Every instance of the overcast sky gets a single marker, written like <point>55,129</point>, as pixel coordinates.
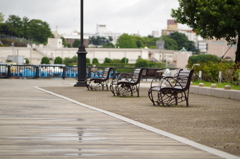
<point>123,16</point>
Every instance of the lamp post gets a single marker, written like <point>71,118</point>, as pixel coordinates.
<point>81,56</point>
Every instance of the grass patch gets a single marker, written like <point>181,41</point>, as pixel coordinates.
<point>219,85</point>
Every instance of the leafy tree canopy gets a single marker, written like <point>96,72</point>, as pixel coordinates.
<point>34,29</point>
<point>39,31</point>
<point>182,41</point>
<point>126,41</point>
<point>1,17</point>
<point>65,44</point>
<point>105,42</point>
<point>149,42</point>
<point>7,30</point>
<point>135,41</point>
<point>170,44</point>
<point>76,43</point>
<point>16,23</point>
<point>211,19</point>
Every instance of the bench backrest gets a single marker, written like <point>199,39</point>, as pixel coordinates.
<point>184,79</point>
<point>106,72</point>
<point>137,74</point>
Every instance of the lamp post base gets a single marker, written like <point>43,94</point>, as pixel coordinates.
<point>80,84</point>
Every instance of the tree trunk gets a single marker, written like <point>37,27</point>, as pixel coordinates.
<point>237,57</point>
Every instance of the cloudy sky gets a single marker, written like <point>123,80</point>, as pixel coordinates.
<point>123,16</point>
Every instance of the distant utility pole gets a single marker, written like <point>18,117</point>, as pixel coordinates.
<point>12,44</point>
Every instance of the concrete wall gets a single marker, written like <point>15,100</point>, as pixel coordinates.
<point>37,53</point>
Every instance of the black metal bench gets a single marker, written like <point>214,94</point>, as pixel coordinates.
<point>172,89</point>
<point>152,73</point>
<point>101,82</point>
<point>126,84</point>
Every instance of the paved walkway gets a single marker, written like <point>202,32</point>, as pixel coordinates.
<point>36,123</point>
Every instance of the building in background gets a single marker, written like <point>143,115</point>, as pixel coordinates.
<point>55,42</point>
<point>155,34</point>
<point>202,46</point>
<point>221,48</point>
<point>101,30</point>
<point>172,26</point>
<point>76,36</point>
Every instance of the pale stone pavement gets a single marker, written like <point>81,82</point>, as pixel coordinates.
<point>37,124</point>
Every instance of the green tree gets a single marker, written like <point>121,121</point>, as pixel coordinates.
<point>39,31</point>
<point>149,42</point>
<point>65,44</point>
<point>7,29</point>
<point>139,41</point>
<point>95,61</point>
<point>211,19</point>
<point>126,41</point>
<point>76,43</point>
<point>16,24</point>
<point>182,41</point>
<point>45,60</point>
<point>25,28</point>
<point>110,38</point>
<point>169,43</point>
<point>58,60</point>
<point>1,17</point>
<point>108,45</point>
<point>105,42</point>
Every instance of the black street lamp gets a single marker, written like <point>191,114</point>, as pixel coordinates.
<point>81,56</point>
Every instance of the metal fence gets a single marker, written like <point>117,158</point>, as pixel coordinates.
<point>17,39</point>
<point>52,71</point>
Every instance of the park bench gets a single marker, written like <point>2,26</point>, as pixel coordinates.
<point>100,80</point>
<point>126,84</point>
<point>172,89</point>
<point>151,73</point>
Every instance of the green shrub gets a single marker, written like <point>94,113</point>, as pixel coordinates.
<point>58,60</point>
<point>124,60</point>
<point>95,61</point>
<point>45,60</point>
<point>210,71</point>
<point>141,63</point>
<point>201,59</point>
<point>87,60</point>
<point>67,61</point>
<point>26,60</point>
<point>107,60</point>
